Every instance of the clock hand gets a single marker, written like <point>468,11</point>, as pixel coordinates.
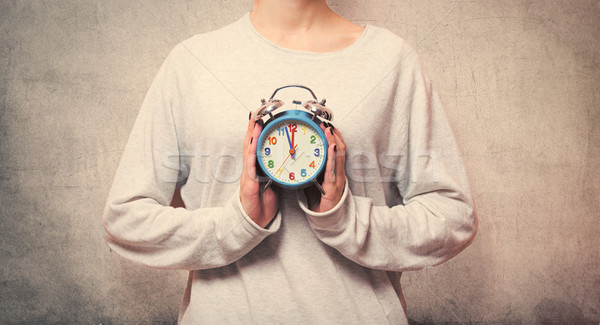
<point>293,146</point>
<point>286,158</point>
<point>290,142</point>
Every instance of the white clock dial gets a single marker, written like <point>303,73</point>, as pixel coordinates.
<point>292,152</point>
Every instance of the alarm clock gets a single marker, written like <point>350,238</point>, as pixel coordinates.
<point>292,149</point>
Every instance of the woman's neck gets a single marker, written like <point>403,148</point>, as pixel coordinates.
<point>291,16</point>
<point>307,25</point>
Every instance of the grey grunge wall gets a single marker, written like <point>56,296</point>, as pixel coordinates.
<point>520,80</point>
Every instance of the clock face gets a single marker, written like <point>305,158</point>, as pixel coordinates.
<point>292,151</point>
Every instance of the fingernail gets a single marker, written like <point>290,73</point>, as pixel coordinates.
<point>335,148</point>
<point>249,115</point>
<point>331,130</point>
<point>332,127</point>
<point>251,140</point>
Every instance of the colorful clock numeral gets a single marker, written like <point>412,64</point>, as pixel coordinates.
<point>272,140</point>
<point>313,138</point>
<point>317,152</point>
<point>270,164</point>
<point>293,127</point>
<point>312,164</point>
<point>292,176</point>
<point>267,151</point>
<point>303,172</point>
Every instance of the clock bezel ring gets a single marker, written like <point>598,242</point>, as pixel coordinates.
<point>303,117</point>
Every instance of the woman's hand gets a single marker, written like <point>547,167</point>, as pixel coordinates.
<point>261,208</point>
<point>334,179</point>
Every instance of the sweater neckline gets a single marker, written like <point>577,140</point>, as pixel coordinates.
<point>283,50</point>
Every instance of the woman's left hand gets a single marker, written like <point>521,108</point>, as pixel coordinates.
<point>335,173</point>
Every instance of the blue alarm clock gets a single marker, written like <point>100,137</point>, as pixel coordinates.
<point>292,149</point>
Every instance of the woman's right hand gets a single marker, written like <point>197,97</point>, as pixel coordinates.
<point>261,208</point>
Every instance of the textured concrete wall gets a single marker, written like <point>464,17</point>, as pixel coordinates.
<point>521,84</point>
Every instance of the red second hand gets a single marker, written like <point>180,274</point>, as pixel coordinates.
<point>293,150</point>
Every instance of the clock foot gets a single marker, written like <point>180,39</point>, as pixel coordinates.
<point>266,186</point>
<point>319,187</point>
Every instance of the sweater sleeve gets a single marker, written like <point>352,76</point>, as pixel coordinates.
<point>138,221</point>
<point>436,219</point>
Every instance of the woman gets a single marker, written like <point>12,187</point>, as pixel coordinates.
<point>396,195</point>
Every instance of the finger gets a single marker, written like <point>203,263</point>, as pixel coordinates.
<point>269,202</point>
<point>329,133</point>
<point>340,161</point>
<point>250,161</point>
<point>258,126</point>
<point>339,138</point>
<point>247,137</point>
<point>330,167</point>
<point>252,149</point>
<point>249,130</point>
<point>340,155</point>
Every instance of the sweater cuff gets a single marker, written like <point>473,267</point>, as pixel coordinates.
<point>251,226</point>
<point>328,218</point>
